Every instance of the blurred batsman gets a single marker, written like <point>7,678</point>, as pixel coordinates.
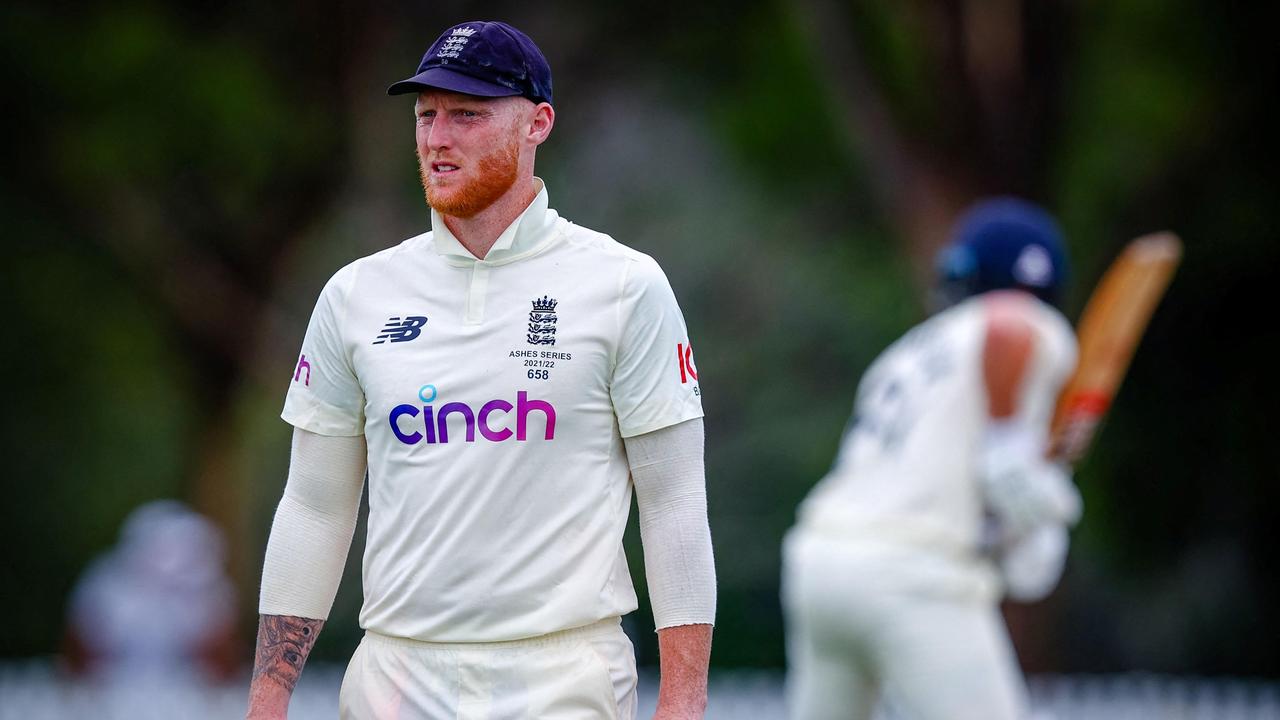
<point>941,499</point>
<point>507,379</point>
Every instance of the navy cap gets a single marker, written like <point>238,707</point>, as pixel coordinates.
<point>1001,243</point>
<point>484,58</point>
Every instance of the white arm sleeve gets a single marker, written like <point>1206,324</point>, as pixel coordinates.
<point>312,531</point>
<point>671,493</point>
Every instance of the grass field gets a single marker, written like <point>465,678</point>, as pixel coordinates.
<point>33,690</point>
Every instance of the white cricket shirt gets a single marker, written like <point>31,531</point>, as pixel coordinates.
<point>494,395</point>
<point>906,473</point>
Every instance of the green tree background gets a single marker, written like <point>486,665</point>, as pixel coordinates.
<point>181,179</point>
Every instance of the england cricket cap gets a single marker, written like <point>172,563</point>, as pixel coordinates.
<point>484,58</point>
<point>1004,242</point>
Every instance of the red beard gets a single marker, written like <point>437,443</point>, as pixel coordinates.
<point>497,174</point>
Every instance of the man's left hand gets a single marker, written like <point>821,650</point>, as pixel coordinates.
<point>684,652</point>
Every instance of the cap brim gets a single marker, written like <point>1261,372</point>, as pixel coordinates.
<point>444,79</point>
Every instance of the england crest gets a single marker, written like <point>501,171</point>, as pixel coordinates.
<point>542,321</point>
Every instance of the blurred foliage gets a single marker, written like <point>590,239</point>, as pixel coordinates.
<point>181,180</point>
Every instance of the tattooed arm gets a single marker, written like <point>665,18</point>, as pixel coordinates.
<point>284,642</point>
<point>305,556</point>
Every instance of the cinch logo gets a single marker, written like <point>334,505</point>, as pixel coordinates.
<point>432,425</point>
<point>684,356</point>
<point>398,330</point>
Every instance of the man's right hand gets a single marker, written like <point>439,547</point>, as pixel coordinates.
<point>1032,564</point>
<point>267,702</point>
<point>1026,491</point>
<point>284,642</point>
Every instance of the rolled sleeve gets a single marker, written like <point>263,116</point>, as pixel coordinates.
<point>655,380</point>
<point>325,397</point>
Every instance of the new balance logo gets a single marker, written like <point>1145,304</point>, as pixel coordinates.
<point>398,330</point>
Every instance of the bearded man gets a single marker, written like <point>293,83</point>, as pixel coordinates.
<point>507,379</point>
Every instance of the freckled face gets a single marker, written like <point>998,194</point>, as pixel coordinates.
<point>468,150</point>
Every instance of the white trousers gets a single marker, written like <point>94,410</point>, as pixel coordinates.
<point>918,628</point>
<point>586,673</point>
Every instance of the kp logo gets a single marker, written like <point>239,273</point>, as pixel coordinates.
<point>684,356</point>
<point>398,330</point>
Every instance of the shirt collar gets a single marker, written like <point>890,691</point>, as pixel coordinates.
<point>525,234</point>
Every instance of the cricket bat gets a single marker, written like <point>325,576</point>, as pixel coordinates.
<point>1109,330</point>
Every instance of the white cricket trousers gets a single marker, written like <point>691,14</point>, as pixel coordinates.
<point>586,673</point>
<point>920,628</point>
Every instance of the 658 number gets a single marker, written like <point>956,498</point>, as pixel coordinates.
<point>539,374</point>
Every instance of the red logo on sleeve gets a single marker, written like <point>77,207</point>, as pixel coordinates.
<point>684,356</point>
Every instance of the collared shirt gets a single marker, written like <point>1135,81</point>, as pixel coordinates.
<point>494,394</point>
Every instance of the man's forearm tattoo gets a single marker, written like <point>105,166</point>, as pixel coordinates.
<point>284,642</point>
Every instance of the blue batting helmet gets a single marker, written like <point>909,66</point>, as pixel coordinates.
<point>1003,243</point>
